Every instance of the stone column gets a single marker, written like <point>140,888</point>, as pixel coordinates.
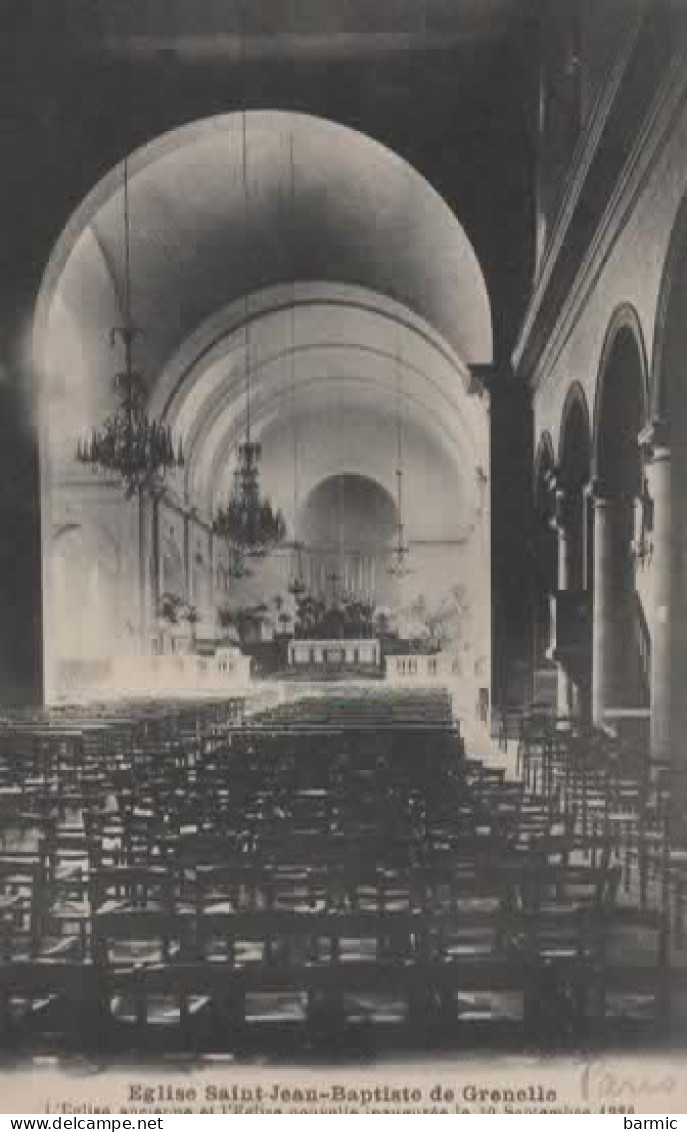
<point>565,572</point>
<point>188,581</point>
<point>613,591</point>
<point>156,555</point>
<point>664,565</point>
<point>141,581</point>
<point>212,568</point>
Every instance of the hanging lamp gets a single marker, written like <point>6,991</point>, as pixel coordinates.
<point>249,522</point>
<point>399,566</point>
<point>129,443</point>
<point>297,587</point>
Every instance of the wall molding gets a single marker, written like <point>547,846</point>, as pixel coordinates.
<point>583,156</point>
<point>652,138</point>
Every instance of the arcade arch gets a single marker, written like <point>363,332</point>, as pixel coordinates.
<point>665,452</point>
<point>620,644</point>
<point>207,265</point>
<point>575,555</point>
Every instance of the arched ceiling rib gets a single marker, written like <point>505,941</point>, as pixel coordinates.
<point>356,435</point>
<point>328,389</point>
<point>322,311</point>
<point>360,215</point>
<point>353,350</point>
<point>361,277</point>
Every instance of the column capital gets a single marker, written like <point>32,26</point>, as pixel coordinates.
<point>552,479</point>
<point>598,493</point>
<point>563,515</point>
<point>601,495</point>
<point>654,439</point>
<point>481,380</point>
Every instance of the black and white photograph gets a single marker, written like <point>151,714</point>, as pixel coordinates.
<point>343,569</point>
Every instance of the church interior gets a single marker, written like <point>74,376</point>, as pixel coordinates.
<point>344,589</point>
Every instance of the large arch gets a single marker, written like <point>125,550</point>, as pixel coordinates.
<point>543,552</point>
<point>668,331</point>
<point>666,453</point>
<point>348,345</point>
<point>423,298</point>
<point>574,533</point>
<point>86,620</point>
<point>309,290</point>
<point>576,427</point>
<point>348,521</point>
<point>620,647</point>
<point>574,478</point>
<point>544,465</point>
<point>353,199</point>
<point>622,401</point>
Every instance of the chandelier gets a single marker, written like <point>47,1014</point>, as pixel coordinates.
<point>399,566</point>
<point>129,443</point>
<point>296,587</point>
<point>249,523</point>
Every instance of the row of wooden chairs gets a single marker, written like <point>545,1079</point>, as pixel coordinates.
<point>487,928</point>
<point>313,855</point>
<point>616,793</point>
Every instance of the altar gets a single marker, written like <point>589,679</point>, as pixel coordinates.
<point>334,654</point>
